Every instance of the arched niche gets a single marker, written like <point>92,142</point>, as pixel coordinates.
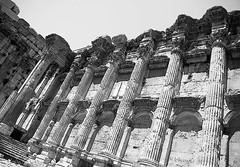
<point>105,120</point>
<point>185,139</point>
<point>141,122</point>
<point>232,126</point>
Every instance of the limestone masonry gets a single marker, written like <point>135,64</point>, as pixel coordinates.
<point>164,99</point>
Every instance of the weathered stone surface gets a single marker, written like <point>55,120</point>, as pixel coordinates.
<point>110,120</point>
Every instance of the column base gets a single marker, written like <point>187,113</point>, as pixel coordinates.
<point>145,162</point>
<point>66,161</point>
<point>34,146</point>
<point>6,129</point>
<point>48,154</point>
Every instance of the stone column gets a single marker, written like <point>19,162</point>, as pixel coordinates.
<point>213,112</point>
<point>24,115</point>
<point>101,48</point>
<point>224,151</point>
<point>145,52</point>
<point>106,85</point>
<point>72,107</point>
<point>53,106</point>
<point>152,147</point>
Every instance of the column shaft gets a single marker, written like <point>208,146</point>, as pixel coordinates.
<point>72,107</point>
<point>125,106</point>
<point>213,112</point>
<point>152,147</point>
<point>89,121</point>
<point>53,106</point>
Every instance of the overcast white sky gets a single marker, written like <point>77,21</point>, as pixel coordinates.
<point>81,21</point>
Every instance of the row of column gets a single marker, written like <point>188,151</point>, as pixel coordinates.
<point>152,147</point>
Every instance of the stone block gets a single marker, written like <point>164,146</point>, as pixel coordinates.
<point>15,9</point>
<point>7,3</point>
<point>10,13</point>
<point>23,31</point>
<point>23,22</point>
<point>31,38</point>
<point>33,32</point>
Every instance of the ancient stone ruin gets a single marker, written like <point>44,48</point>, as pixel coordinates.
<point>166,98</point>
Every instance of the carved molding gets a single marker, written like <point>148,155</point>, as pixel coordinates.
<point>187,102</point>
<point>232,99</point>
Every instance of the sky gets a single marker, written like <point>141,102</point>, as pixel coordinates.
<point>81,21</point>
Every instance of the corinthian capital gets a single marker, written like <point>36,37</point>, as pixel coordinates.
<point>120,47</point>
<point>219,38</point>
<point>146,47</point>
<point>101,47</point>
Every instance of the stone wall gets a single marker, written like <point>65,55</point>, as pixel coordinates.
<point>21,48</point>
<point>161,98</point>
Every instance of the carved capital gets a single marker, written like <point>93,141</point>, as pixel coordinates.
<point>145,49</point>
<point>101,47</point>
<point>120,48</point>
<point>178,43</point>
<point>219,38</point>
<point>76,63</point>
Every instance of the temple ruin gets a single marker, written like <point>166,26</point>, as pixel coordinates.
<point>164,99</point>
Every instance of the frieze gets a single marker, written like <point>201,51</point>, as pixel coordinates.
<point>158,62</point>
<point>100,71</point>
<point>126,67</point>
<point>197,55</point>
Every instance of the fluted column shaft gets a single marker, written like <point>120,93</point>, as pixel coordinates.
<point>153,143</point>
<point>125,106</point>
<point>71,109</point>
<point>53,106</point>
<point>106,85</point>
<point>213,113</point>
